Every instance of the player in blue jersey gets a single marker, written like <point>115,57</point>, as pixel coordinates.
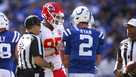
<point>8,42</point>
<point>82,45</point>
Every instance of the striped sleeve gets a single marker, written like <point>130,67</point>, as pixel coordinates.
<point>101,43</point>
<point>66,39</point>
<point>67,32</point>
<point>101,36</point>
<point>36,47</point>
<point>16,37</point>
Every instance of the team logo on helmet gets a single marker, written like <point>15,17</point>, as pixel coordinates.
<point>53,13</point>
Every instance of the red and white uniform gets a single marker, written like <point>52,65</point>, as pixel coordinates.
<point>51,39</point>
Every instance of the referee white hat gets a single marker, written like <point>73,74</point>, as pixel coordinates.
<point>132,22</point>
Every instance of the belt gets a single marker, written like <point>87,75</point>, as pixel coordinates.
<point>30,70</point>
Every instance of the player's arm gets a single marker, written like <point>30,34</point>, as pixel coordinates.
<point>118,65</point>
<point>18,36</point>
<point>98,55</point>
<point>99,48</point>
<point>131,68</point>
<point>42,63</point>
<point>65,54</point>
<point>16,53</point>
<point>64,57</point>
<point>98,59</point>
<point>37,52</point>
<point>66,60</point>
<point>67,46</point>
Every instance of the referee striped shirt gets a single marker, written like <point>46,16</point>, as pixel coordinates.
<point>28,47</point>
<point>127,53</point>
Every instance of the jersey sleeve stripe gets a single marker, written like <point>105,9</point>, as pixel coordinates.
<point>14,36</point>
<point>68,31</point>
<point>18,37</point>
<point>65,33</point>
<point>101,35</point>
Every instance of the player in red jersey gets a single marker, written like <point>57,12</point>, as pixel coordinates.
<point>51,35</point>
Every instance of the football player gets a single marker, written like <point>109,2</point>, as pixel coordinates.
<point>51,35</point>
<point>8,41</point>
<point>82,45</point>
<point>126,58</point>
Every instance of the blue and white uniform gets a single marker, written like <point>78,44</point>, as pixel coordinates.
<point>8,41</point>
<point>82,45</point>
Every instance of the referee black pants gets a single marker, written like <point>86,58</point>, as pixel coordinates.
<point>127,75</point>
<point>29,73</point>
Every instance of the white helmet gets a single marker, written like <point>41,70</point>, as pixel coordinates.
<point>4,22</point>
<point>81,14</point>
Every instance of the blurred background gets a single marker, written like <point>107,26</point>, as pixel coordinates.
<point>110,18</point>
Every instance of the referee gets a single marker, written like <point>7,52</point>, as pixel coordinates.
<point>126,58</point>
<point>30,51</point>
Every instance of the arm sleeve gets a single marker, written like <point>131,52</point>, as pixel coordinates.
<point>16,36</point>
<point>67,43</point>
<point>100,43</point>
<point>36,47</point>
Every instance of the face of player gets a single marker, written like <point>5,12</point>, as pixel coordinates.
<point>36,29</point>
<point>57,21</point>
<point>131,30</point>
<point>83,25</point>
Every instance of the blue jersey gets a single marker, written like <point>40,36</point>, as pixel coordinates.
<point>8,41</point>
<point>82,45</point>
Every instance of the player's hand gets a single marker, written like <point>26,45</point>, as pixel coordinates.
<point>131,71</point>
<point>118,73</point>
<point>60,46</point>
<point>131,68</point>
<point>51,66</point>
<point>49,51</point>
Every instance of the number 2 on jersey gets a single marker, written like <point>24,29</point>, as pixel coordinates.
<point>83,45</point>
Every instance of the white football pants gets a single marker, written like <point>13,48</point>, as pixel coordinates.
<point>6,73</point>
<point>81,75</point>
